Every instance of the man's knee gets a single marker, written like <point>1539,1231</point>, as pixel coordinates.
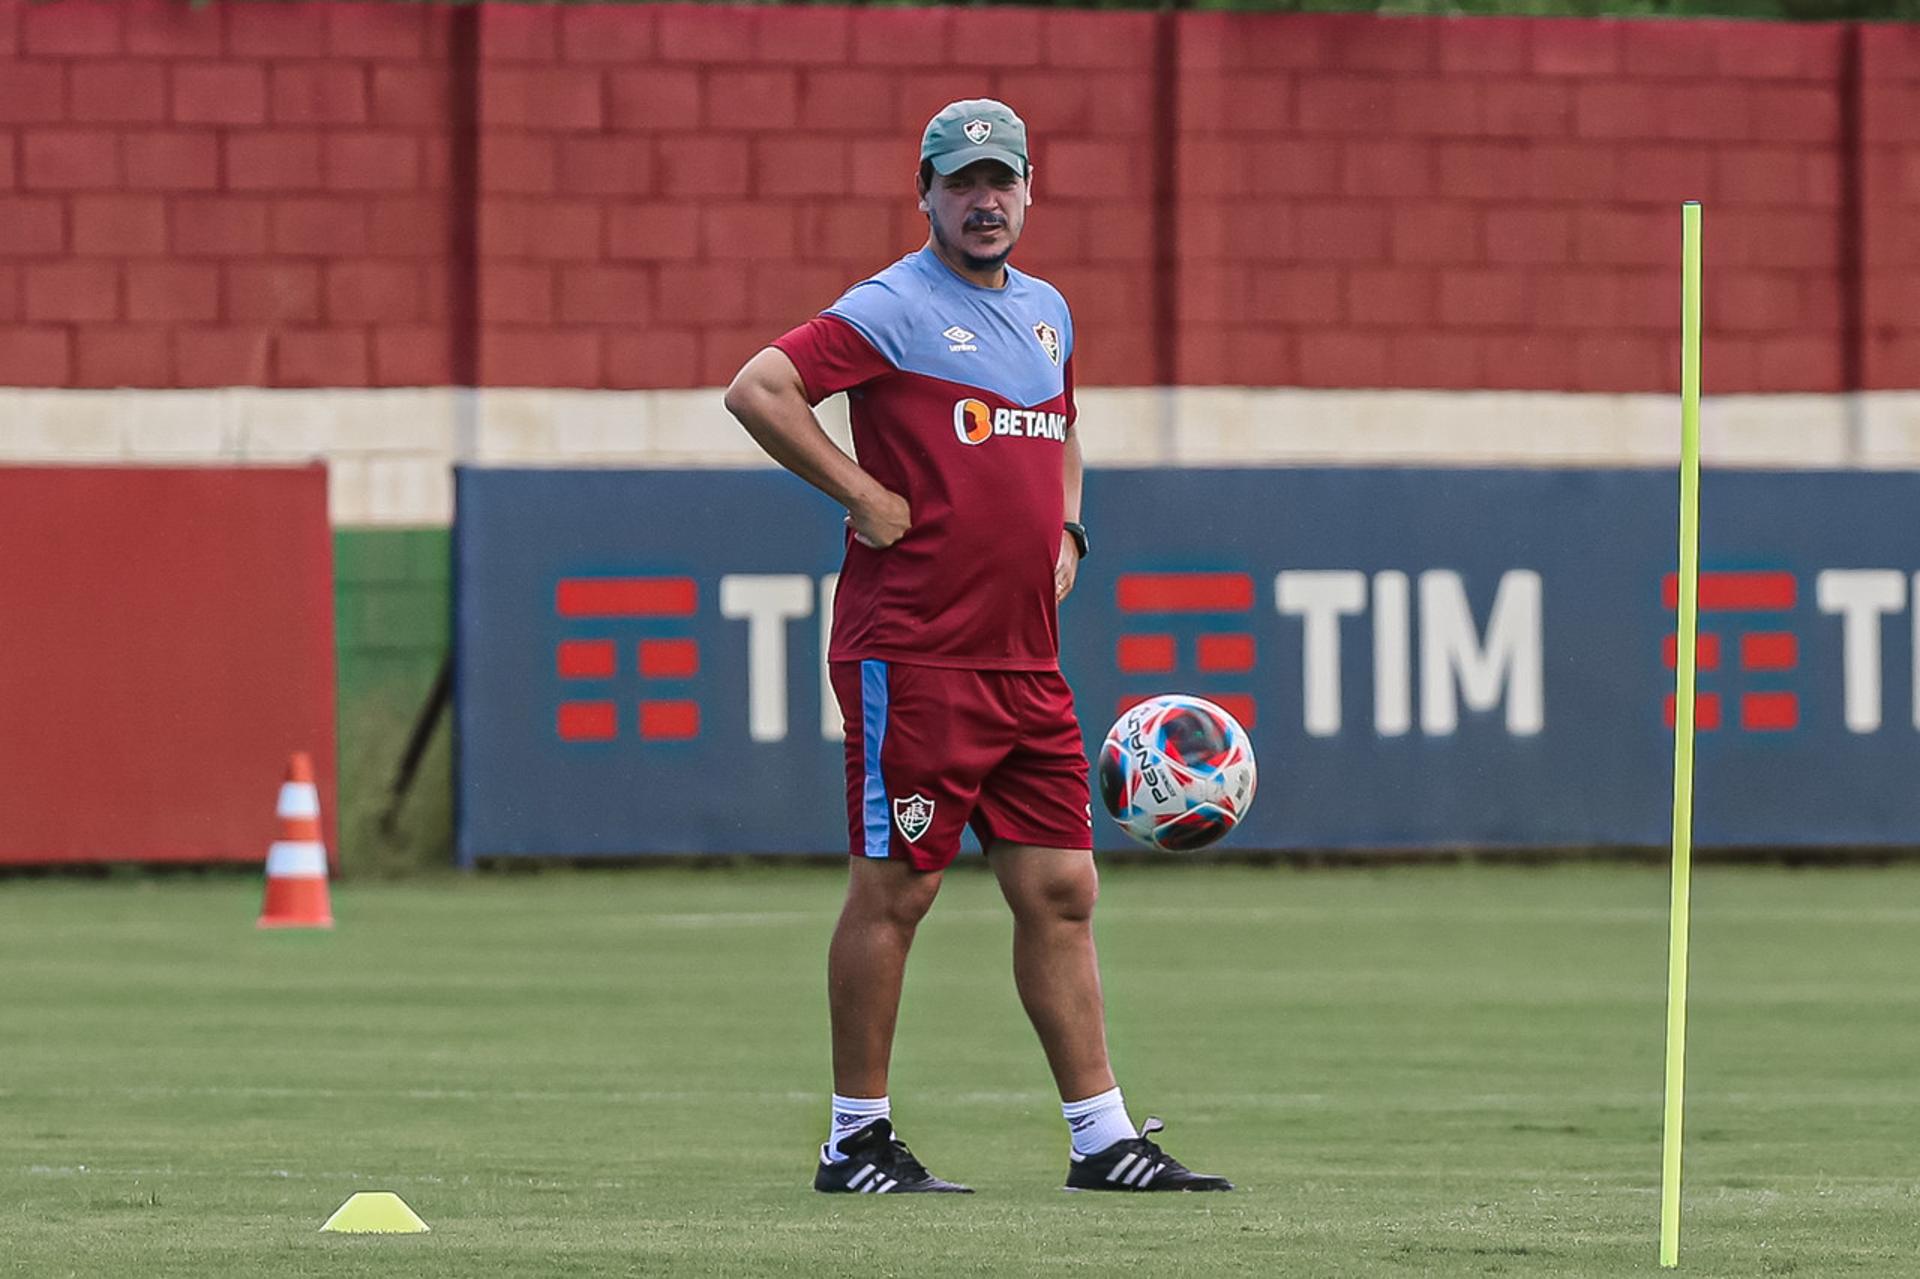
<point>1064,893</point>
<point>891,892</point>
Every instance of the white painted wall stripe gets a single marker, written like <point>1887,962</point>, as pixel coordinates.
<point>390,452</point>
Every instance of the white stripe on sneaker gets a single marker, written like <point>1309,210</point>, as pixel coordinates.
<point>1121,1167</point>
<point>1151,1174</point>
<point>1138,1175</point>
<point>853,1182</point>
<point>891,1183</point>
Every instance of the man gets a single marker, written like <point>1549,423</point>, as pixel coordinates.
<point>963,538</point>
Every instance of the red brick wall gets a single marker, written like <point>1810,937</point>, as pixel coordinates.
<point>1890,165</point>
<point>1494,203</point>
<point>665,188</point>
<point>242,194</point>
<point>638,196</point>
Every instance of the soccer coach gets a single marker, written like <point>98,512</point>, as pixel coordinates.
<point>963,537</point>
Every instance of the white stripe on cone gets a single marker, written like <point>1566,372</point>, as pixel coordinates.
<point>299,799</point>
<point>297,857</point>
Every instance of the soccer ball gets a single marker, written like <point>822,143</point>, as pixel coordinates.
<point>1177,772</point>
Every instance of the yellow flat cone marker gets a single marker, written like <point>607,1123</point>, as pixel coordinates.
<point>376,1212</point>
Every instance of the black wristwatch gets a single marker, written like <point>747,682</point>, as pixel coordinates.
<point>1078,532</point>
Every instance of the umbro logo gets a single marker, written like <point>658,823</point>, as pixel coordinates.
<point>961,339</point>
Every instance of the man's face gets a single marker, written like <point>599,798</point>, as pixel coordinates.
<point>977,213</point>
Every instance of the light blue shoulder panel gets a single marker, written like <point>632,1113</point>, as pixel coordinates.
<point>1012,342</point>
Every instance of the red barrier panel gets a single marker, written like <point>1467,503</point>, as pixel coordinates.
<point>166,641</point>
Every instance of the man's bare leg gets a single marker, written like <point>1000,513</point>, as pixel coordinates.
<point>886,900</point>
<point>866,963</point>
<point>1052,892</point>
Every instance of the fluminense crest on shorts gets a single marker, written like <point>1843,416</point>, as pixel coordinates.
<point>1049,340</point>
<point>913,815</point>
<point>977,131</point>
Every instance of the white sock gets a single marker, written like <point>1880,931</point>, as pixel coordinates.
<point>1098,1122</point>
<point>850,1115</point>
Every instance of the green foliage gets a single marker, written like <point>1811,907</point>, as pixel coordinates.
<point>392,623</point>
<point>1418,1072</point>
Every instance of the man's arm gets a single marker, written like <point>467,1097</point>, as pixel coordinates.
<point>1066,565</point>
<point>770,400</point>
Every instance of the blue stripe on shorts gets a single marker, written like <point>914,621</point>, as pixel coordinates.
<point>873,733</point>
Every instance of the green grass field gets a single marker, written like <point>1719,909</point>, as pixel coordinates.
<point>1413,1071</point>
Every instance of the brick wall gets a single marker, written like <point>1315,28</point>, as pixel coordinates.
<point>665,188</point>
<point>638,196</point>
<point>252,194</point>
<point>1889,294</point>
<point>1493,203</point>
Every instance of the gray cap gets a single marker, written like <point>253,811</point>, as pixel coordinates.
<point>975,129</point>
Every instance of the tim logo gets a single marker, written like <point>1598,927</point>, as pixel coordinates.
<point>1747,622</point>
<point>1220,604</point>
<point>1209,623</point>
<point>633,606</point>
<point>1740,614</point>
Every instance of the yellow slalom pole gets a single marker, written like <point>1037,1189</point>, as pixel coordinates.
<point>1683,730</point>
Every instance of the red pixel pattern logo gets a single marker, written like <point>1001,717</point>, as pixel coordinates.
<point>1762,650</point>
<point>1223,600</point>
<point>666,660</point>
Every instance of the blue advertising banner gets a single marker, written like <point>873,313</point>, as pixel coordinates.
<point>1424,658</point>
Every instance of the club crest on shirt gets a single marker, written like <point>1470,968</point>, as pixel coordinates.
<point>977,131</point>
<point>1049,338</point>
<point>913,815</point>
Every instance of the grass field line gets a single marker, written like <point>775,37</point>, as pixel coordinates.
<point>1461,1103</point>
<point>1635,1182</point>
<point>1437,914</point>
<point>278,1174</point>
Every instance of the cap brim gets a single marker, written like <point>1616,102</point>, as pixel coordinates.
<point>954,161</point>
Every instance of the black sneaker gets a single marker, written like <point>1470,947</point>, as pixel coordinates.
<point>879,1163</point>
<point>1137,1164</point>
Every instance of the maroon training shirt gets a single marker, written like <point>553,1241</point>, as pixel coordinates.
<point>960,399</point>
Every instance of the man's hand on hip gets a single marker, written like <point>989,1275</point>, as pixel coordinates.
<point>881,522</point>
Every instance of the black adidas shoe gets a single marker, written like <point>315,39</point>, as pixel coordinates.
<point>879,1163</point>
<point>1135,1163</point>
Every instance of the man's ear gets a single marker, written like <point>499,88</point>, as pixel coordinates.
<point>921,187</point>
<point>1029,186</point>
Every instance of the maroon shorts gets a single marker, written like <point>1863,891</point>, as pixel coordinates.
<point>931,751</point>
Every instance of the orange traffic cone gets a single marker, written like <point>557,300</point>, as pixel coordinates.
<point>297,862</point>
